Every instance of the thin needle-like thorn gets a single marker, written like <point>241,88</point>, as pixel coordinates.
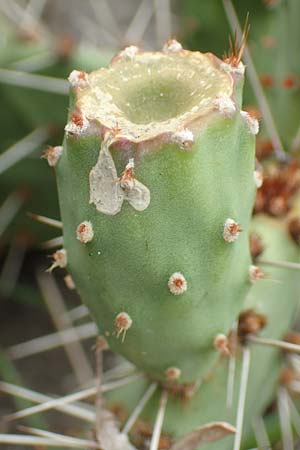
<point>139,408</point>
<point>296,316</point>
<point>46,220</point>
<point>23,147</point>
<point>139,23</point>
<point>34,81</point>
<point>159,421</point>
<point>80,412</point>
<point>58,313</point>
<point>236,50</point>
<point>123,369</point>
<point>34,63</point>
<point>89,392</point>
<point>285,420</point>
<point>275,343</point>
<point>256,85</point>
<point>12,266</point>
<point>241,48</point>
<point>79,312</point>
<point>33,11</point>
<point>92,32</point>
<point>19,439</point>
<point>294,360</point>
<point>9,208</point>
<point>52,243</point>
<point>102,12</point>
<point>15,13</point>
<point>295,416</point>
<point>99,396</point>
<point>281,264</point>
<point>33,17</point>
<point>230,381</point>
<point>261,434</point>
<point>242,398</point>
<point>6,9</point>
<point>163,20</point>
<point>50,341</point>
<point>63,439</point>
<point>231,371</point>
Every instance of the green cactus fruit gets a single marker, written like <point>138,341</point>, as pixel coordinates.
<point>156,188</point>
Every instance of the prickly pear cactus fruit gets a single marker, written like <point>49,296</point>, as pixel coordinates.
<point>156,187</point>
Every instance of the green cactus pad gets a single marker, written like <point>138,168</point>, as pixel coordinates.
<point>161,166</point>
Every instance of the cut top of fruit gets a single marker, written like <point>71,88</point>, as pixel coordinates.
<point>150,93</point>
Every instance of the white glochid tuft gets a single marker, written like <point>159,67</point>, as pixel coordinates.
<point>255,274</point>
<point>234,70</point>
<point>53,154</point>
<point>184,138</point>
<point>78,125</point>
<point>258,178</point>
<point>231,230</point>
<point>172,373</point>
<point>84,232</point>
<point>252,123</point>
<point>122,323</point>
<point>225,105</point>
<point>129,52</point>
<point>172,46</point>
<point>59,260</point>
<point>221,343</point>
<point>78,78</point>
<point>177,283</point>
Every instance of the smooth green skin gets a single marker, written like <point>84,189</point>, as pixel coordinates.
<point>277,298</point>
<point>127,265</point>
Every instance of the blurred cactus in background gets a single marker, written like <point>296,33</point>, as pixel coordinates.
<point>274,45</point>
<point>180,229</point>
<point>28,56</point>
